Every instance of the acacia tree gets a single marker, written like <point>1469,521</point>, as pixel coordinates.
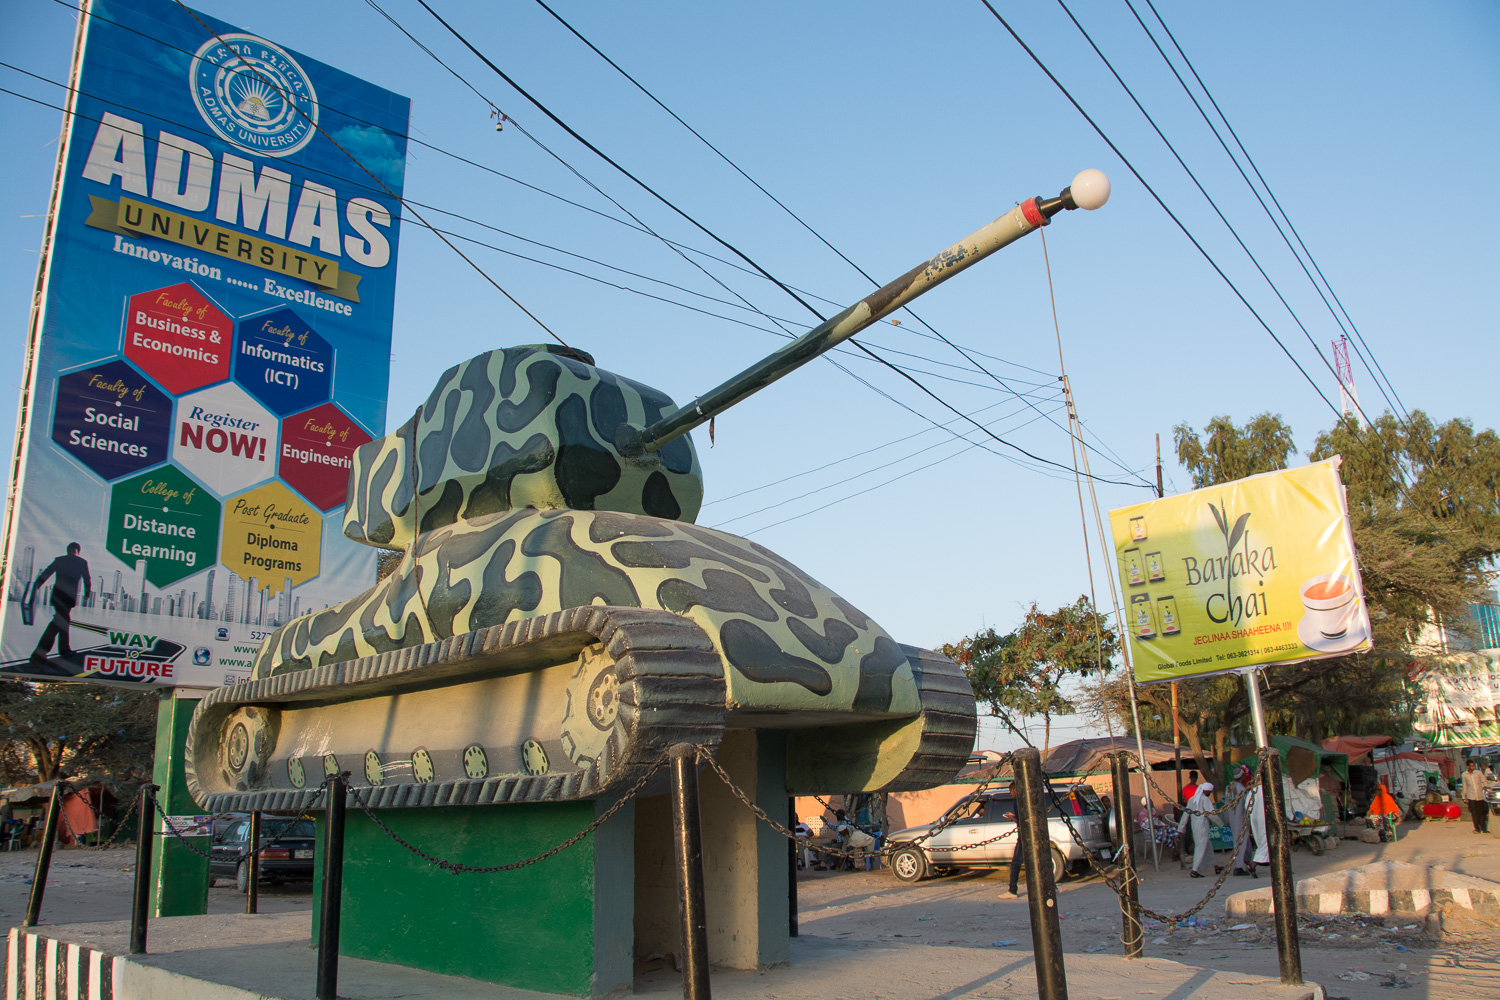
<point>49,729</point>
<point>1023,671</point>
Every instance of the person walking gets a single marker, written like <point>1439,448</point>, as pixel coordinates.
<point>1017,859</point>
<point>1200,813</point>
<point>1479,810</point>
<point>1239,817</point>
<point>70,570</point>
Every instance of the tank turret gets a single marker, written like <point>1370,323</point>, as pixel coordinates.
<point>529,426</point>
<point>556,620</point>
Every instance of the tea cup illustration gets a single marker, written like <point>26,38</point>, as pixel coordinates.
<point>1331,604</point>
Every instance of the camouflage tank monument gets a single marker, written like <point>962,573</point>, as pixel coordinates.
<point>556,622</point>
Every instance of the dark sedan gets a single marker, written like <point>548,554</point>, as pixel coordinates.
<point>288,858</point>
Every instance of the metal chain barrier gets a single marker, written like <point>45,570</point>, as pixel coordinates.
<point>1146,772</point>
<point>186,840</point>
<point>119,825</point>
<point>1111,875</point>
<point>458,868</point>
<point>706,755</point>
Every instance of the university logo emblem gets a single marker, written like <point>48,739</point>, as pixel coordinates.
<point>253,94</point>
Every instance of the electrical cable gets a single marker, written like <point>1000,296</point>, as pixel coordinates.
<point>869,471</point>
<point>1170,214</point>
<point>565,164</point>
<point>841,367</point>
<point>736,167</point>
<point>1209,198</point>
<point>1248,159</point>
<point>1246,177</point>
<point>408,137</point>
<point>648,189</point>
<point>846,458</point>
<point>905,374</point>
<point>322,131</point>
<point>355,160</point>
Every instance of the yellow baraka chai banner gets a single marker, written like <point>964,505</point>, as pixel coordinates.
<point>1253,572</point>
<point>137,218</point>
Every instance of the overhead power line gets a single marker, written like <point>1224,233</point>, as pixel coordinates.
<point>1160,202</point>
<point>722,242</point>
<point>1207,197</point>
<point>966,355</point>
<point>1254,191</point>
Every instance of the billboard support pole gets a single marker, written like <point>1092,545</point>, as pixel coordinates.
<point>1283,890</point>
<point>38,296</point>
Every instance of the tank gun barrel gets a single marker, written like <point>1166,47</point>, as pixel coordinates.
<point>1089,190</point>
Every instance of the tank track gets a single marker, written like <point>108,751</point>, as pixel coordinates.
<point>949,722</point>
<point>633,683</point>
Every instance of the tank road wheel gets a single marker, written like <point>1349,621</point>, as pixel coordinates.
<point>909,864</point>
<point>245,745</point>
<point>592,710</point>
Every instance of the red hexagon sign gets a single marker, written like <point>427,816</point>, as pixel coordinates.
<point>178,337</point>
<point>316,446</point>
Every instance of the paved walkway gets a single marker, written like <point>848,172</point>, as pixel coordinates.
<point>269,958</point>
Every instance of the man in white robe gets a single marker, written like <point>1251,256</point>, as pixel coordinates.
<point>1199,812</point>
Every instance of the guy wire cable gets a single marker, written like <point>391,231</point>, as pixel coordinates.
<point>1114,595</point>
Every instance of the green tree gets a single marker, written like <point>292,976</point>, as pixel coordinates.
<point>47,730</point>
<point>1024,671</point>
<point>1424,504</point>
<point>1225,452</point>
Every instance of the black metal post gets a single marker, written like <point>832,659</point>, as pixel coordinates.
<point>1283,888</point>
<point>252,864</point>
<point>140,902</point>
<point>687,842</point>
<point>1041,888</point>
<point>44,856</point>
<point>794,853</point>
<point>1130,901</point>
<point>333,886</point>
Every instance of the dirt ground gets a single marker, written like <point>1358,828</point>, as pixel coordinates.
<point>1353,958</point>
<point>87,885</point>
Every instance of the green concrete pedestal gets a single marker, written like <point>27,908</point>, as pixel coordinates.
<point>575,922</point>
<point>562,925</point>
<point>179,876</point>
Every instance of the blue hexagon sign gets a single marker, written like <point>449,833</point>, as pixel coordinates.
<point>112,419</point>
<point>283,362</point>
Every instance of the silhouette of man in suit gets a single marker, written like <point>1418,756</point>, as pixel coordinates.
<point>70,570</point>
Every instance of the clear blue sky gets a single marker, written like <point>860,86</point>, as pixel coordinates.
<point>893,133</point>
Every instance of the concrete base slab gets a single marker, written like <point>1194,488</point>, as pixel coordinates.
<point>1376,889</point>
<point>235,957</point>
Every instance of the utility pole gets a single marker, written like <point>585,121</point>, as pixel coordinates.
<point>1176,723</point>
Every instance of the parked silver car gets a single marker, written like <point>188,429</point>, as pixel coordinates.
<point>967,831</point>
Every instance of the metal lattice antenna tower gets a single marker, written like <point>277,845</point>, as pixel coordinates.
<point>1348,395</point>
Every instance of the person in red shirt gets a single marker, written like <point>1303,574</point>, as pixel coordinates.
<point>1191,788</point>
